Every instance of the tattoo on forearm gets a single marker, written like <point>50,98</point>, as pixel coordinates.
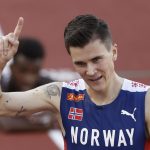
<point>8,99</point>
<point>20,111</point>
<point>53,90</point>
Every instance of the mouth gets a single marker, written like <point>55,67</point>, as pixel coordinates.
<point>95,79</point>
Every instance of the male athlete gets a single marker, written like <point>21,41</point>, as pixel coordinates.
<point>101,111</point>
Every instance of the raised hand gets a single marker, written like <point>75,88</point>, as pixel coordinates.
<point>9,44</point>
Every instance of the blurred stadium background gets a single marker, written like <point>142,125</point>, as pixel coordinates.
<point>45,20</point>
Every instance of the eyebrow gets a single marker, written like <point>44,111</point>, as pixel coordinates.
<point>97,57</point>
<point>78,62</point>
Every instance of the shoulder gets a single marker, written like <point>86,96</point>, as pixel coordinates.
<point>53,86</point>
<point>133,86</point>
<point>78,84</point>
<point>50,93</point>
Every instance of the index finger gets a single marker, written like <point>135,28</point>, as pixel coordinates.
<point>18,27</point>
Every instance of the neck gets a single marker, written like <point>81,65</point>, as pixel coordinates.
<point>109,94</point>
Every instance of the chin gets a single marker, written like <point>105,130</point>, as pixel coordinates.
<point>97,87</point>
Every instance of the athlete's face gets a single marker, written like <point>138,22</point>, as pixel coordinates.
<point>95,64</point>
<point>26,73</point>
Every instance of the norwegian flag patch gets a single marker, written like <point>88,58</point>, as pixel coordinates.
<point>75,114</point>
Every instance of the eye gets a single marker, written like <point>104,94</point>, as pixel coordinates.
<point>80,64</point>
<point>96,59</point>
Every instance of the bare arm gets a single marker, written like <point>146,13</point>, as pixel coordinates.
<point>147,111</point>
<point>45,97</point>
<point>20,103</point>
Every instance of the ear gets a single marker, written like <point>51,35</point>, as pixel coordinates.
<point>114,52</point>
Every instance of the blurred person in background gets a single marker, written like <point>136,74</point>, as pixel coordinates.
<point>25,67</point>
<point>24,73</point>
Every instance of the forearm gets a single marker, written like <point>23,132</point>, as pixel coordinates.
<point>42,98</point>
<point>15,104</point>
<point>25,103</point>
<point>8,47</point>
<point>4,105</point>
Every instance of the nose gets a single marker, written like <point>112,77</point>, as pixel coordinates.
<point>91,69</point>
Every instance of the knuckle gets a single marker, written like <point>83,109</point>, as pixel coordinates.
<point>10,34</point>
<point>17,42</point>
